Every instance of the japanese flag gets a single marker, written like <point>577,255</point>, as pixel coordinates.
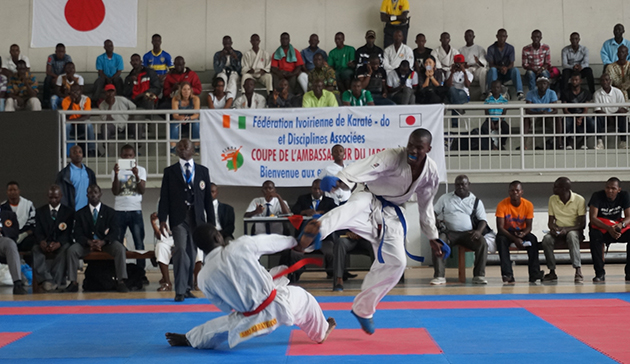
<point>84,22</point>
<point>410,120</point>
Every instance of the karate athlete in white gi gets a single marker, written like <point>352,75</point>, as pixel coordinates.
<point>234,281</point>
<point>390,178</point>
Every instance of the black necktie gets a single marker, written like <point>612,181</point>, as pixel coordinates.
<point>268,225</point>
<point>53,214</point>
<point>188,173</point>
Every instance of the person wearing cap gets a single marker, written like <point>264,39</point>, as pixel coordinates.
<point>619,71</point>
<point>395,15</point>
<point>458,80</point>
<point>540,95</point>
<point>114,102</point>
<point>396,53</point>
<point>444,54</point>
<point>309,52</point>
<point>363,53</point>
<point>476,59</point>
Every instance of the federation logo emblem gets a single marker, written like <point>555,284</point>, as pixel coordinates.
<point>8,223</point>
<point>233,157</point>
<point>63,226</point>
<point>202,185</point>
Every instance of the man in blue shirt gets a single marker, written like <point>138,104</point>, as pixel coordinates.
<point>158,59</point>
<point>309,52</point>
<point>541,95</point>
<point>74,180</point>
<point>109,66</point>
<point>495,123</point>
<point>609,48</point>
<point>500,58</point>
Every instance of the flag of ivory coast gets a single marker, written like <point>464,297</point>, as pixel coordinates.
<point>227,121</point>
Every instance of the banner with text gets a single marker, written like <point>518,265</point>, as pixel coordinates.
<point>245,147</point>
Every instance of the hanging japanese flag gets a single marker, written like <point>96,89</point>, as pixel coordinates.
<point>410,120</point>
<point>84,22</point>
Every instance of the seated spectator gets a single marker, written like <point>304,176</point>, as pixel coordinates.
<point>567,220</point>
<point>396,53</point>
<point>22,90</point>
<point>420,54</point>
<point>142,85</point>
<point>319,97</point>
<point>287,63</point>
<point>62,85</point>
<point>444,54</point>
<point>9,67</point>
<point>179,73</point>
<point>185,100</point>
<point>55,66</point>
<point>9,250</point>
<point>395,15</point>
<point>75,129</point>
<point>613,118</point>
<point>25,212</point>
<point>475,56</point>
<point>158,59</point>
<point>363,53</point>
<point>495,124</point>
<point>374,79</point>
<point>74,180</point>
<point>402,84</point>
<point>540,95</point>
<point>53,233</point>
<point>575,59</point>
<point>537,60</point>
<point>357,96</point>
<point>114,102</point>
<point>322,71</point>
<point>618,71</point>
<point>227,65</point>
<point>500,58</point>
<point>109,66</point>
<point>282,97</point>
<point>606,208</point>
<point>224,215</point>
<point>3,91</point>
<point>96,230</point>
<point>514,224</point>
<point>128,186</point>
<point>341,59</point>
<point>431,89</point>
<point>250,99</point>
<point>271,204</point>
<point>346,242</point>
<point>454,211</point>
<point>608,52</point>
<point>309,52</point>
<point>256,64</point>
<point>575,94</point>
<point>458,80</point>
<point>218,98</point>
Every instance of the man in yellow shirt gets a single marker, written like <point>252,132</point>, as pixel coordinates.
<point>567,219</point>
<point>319,97</point>
<point>395,15</point>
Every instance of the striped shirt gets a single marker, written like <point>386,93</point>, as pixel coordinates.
<point>536,58</point>
<point>497,111</point>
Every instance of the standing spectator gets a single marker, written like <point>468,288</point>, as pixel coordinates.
<point>309,52</point>
<point>22,90</point>
<point>75,129</point>
<point>185,100</point>
<point>475,56</point>
<point>178,74</point>
<point>96,230</point>
<point>256,64</point>
<point>10,66</point>
<point>142,85</point>
<point>421,53</point>
<point>567,220</point>
<point>322,71</point>
<point>74,180</point>
<point>53,234</point>
<point>218,98</point>
<point>319,97</point>
<point>575,59</point>
<point>186,201</point>
<point>612,117</point>
<point>500,58</point>
<point>287,63</point>
<point>540,95</point>
<point>374,79</point>
<point>495,124</point>
<point>62,85</point>
<point>357,96</point>
<point>341,59</point>
<point>396,53</point>
<point>536,60</point>
<point>9,250</point>
<point>109,66</point>
<point>402,84</point>
<point>363,53</point>
<point>606,208</point>
<point>619,71</point>
<point>282,97</point>
<point>128,185</point>
<point>112,102</point>
<point>227,65</point>
<point>575,94</point>
<point>444,54</point>
<point>609,48</point>
<point>158,59</point>
<point>25,212</point>
<point>395,15</point>
<point>270,204</point>
<point>458,80</point>
<point>514,224</point>
<point>250,99</point>
<point>55,66</point>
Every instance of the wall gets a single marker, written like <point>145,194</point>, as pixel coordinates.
<point>194,28</point>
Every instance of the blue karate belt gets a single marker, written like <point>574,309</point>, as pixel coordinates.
<point>403,222</point>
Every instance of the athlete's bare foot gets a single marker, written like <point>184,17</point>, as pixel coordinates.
<point>308,235</point>
<point>177,339</point>
<point>331,326</point>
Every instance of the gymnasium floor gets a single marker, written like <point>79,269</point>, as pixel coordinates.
<point>456,323</point>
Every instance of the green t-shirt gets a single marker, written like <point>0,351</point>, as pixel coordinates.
<point>362,100</point>
<point>339,58</point>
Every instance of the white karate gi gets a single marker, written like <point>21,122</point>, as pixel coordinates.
<point>257,62</point>
<point>164,251</point>
<point>385,174</point>
<point>233,279</point>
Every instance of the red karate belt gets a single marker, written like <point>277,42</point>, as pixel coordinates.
<point>291,269</point>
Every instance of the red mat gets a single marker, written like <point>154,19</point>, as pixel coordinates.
<point>357,342</point>
<point>7,338</point>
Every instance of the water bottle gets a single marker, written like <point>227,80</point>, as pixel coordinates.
<point>27,272</point>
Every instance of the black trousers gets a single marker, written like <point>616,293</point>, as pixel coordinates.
<point>503,245</point>
<point>597,241</point>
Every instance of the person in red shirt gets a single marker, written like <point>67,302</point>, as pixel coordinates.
<point>287,63</point>
<point>177,75</point>
<point>142,85</point>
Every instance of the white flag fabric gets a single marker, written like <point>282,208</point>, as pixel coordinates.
<point>84,22</point>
